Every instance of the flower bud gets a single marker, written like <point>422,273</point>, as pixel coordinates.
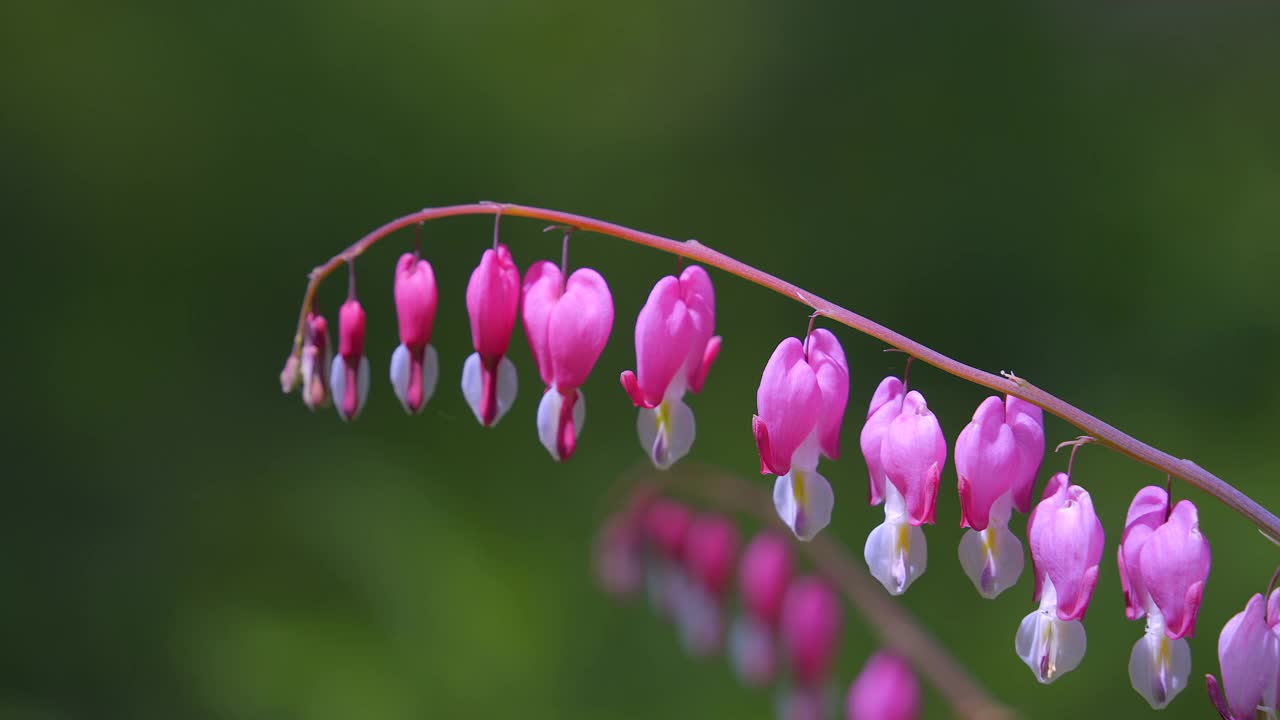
<point>349,376</point>
<point>488,376</point>
<point>568,325</point>
<point>415,367</point>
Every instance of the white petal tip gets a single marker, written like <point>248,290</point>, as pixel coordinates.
<point>804,501</point>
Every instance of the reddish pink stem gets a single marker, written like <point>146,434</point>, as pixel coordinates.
<point>1007,383</point>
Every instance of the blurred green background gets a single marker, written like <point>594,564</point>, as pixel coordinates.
<point>1083,193</point>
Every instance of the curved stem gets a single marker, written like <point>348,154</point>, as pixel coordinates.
<point>1008,383</point>
<point>891,622</point>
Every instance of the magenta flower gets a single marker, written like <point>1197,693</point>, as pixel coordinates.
<point>1066,546</point>
<point>800,403</point>
<point>905,452</point>
<point>710,551</point>
<point>415,367</point>
<point>315,360</point>
<point>997,457</point>
<point>349,375</point>
<point>567,325</point>
<point>811,623</point>
<point>763,576</point>
<point>1249,654</point>
<point>1164,563</point>
<point>488,375</point>
<point>666,528</point>
<point>619,556</point>
<point>886,689</point>
<point>675,348</point>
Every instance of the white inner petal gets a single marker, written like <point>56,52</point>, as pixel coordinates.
<point>804,501</point>
<point>992,558</point>
<point>666,432</point>
<point>338,384</point>
<point>1049,646</point>
<point>751,652</point>
<point>549,419</point>
<point>400,367</point>
<point>896,554</point>
<point>1158,666</point>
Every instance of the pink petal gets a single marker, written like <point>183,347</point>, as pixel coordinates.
<point>787,401</point>
<point>415,294</point>
<point>913,455</point>
<point>763,576</point>
<point>1175,560</point>
<point>543,286</point>
<point>710,552</point>
<point>664,340</point>
<point>1247,654</point>
<point>579,327</point>
<point>886,404</point>
<point>1146,513</point>
<point>826,357</point>
<point>886,689</point>
<point>987,462</point>
<point>811,621</point>
<point>493,294</point>
<point>1027,421</point>
<point>1066,545</point>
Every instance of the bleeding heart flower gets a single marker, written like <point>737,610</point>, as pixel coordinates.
<point>349,375</point>
<point>801,402</point>
<point>905,452</point>
<point>811,622</point>
<point>415,367</point>
<point>675,348</point>
<point>763,577</point>
<point>488,375</point>
<point>1164,564</point>
<point>997,457</point>
<point>1066,546</point>
<point>568,325</point>
<point>1249,654</point>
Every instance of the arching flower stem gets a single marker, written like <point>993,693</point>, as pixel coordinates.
<point>1006,382</point>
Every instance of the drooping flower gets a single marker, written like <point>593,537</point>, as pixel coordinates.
<point>886,689</point>
<point>905,452</point>
<point>1249,655</point>
<point>810,630</point>
<point>1164,564</point>
<point>675,347</point>
<point>315,361</point>
<point>1066,541</point>
<point>997,457</point>
<point>666,530</point>
<point>415,367</point>
<point>763,576</point>
<point>710,551</point>
<point>349,375</point>
<point>488,375</point>
<point>567,325</point>
<point>801,402</point>
<point>619,554</point>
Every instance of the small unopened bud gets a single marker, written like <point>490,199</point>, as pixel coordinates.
<point>289,375</point>
<point>314,359</point>
<point>350,372</point>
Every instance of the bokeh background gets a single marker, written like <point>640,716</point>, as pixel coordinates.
<point>1084,193</point>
